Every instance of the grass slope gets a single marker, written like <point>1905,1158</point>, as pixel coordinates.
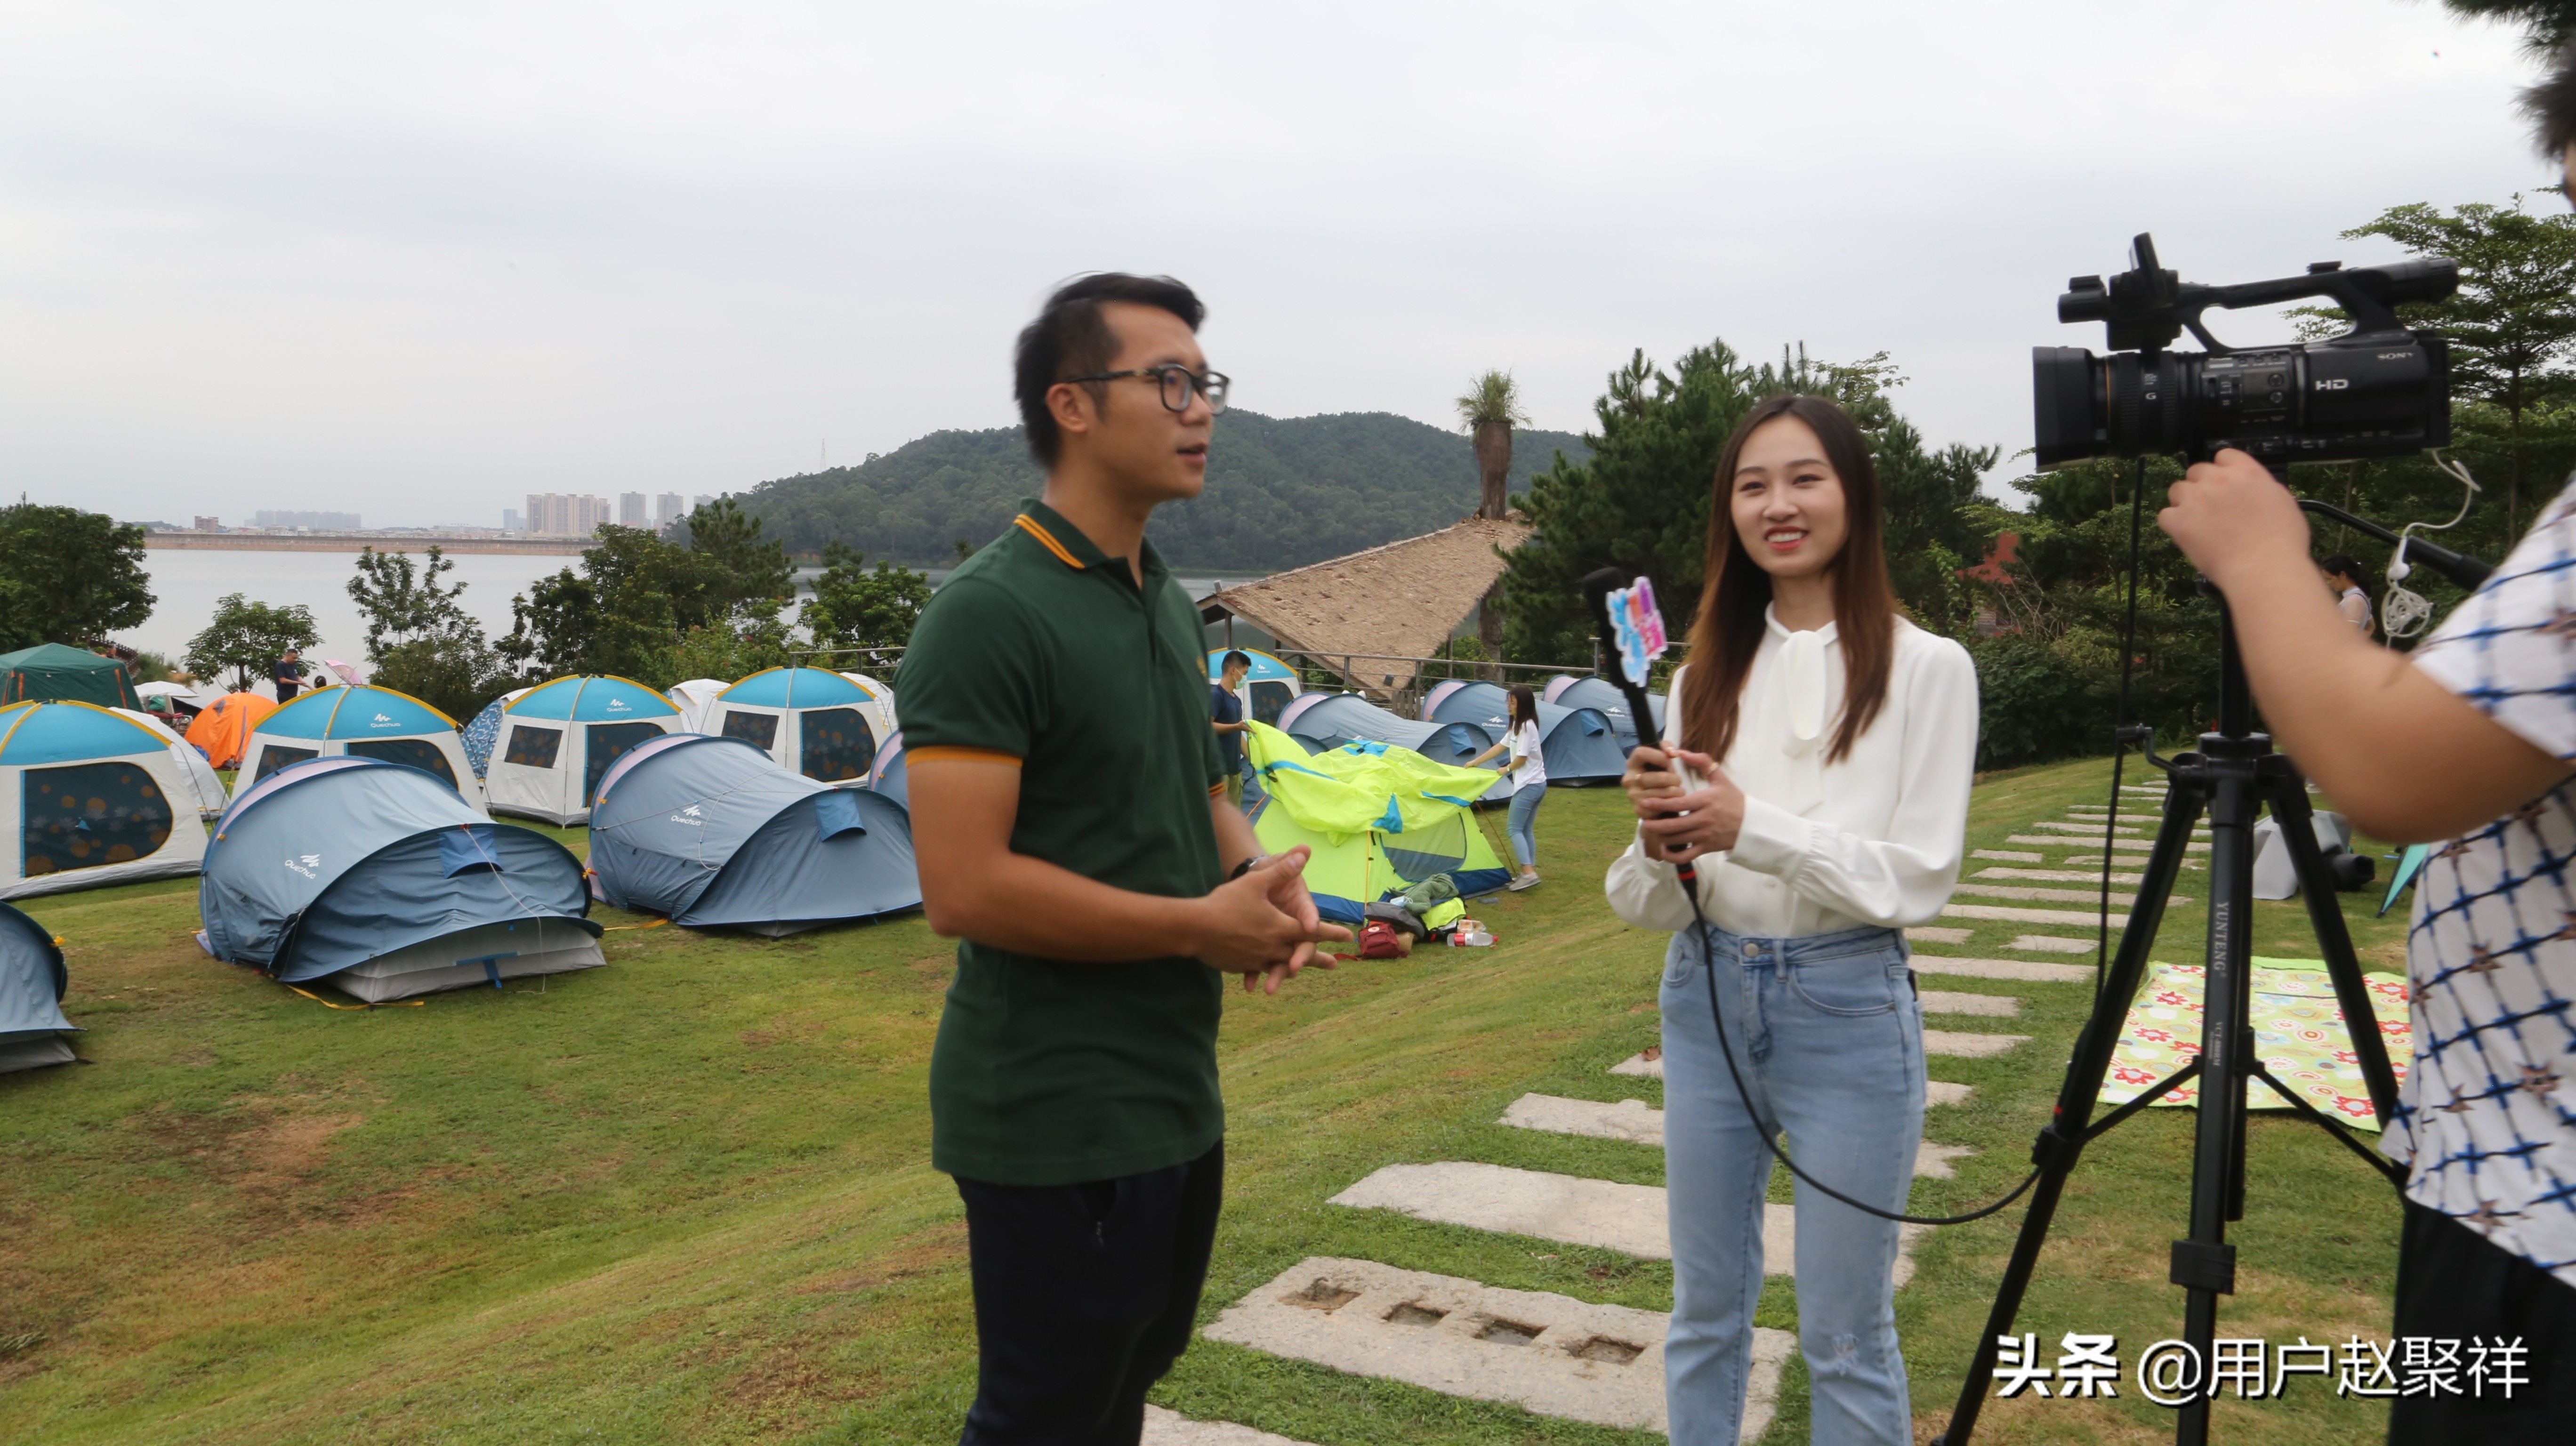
<point>687,1197</point>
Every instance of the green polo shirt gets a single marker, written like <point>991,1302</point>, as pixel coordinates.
<point>1043,650</point>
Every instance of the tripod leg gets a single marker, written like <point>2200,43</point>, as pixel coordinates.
<point>2204,1264</point>
<point>2288,796</point>
<point>2063,1140</point>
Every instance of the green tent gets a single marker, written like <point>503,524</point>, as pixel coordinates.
<point>1379,818</point>
<point>52,673</point>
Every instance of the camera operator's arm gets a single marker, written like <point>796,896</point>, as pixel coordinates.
<point>2403,755</point>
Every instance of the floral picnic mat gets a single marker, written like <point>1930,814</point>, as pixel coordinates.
<point>2298,1028</point>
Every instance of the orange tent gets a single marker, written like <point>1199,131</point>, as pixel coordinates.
<point>222,730</point>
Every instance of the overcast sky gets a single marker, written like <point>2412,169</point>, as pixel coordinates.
<point>419,261</point>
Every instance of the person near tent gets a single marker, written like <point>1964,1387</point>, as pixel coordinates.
<point>1072,832</point>
<point>288,675</point>
<point>1225,706</point>
<point>1835,743</point>
<point>2352,600</point>
<point>1528,770</point>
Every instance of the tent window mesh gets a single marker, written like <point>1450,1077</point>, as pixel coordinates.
<point>1418,853</point>
<point>760,730</point>
<point>89,815</point>
<point>417,753</point>
<point>838,744</point>
<point>533,747</point>
<point>607,740</point>
<point>273,758</point>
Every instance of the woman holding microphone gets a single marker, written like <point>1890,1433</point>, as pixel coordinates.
<point>1830,746</point>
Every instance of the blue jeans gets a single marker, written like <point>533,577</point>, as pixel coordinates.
<point>1524,809</point>
<point>1830,1040</point>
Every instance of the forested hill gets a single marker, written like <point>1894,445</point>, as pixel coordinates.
<point>1280,493</point>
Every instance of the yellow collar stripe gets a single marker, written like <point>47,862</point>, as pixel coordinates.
<point>1029,525</point>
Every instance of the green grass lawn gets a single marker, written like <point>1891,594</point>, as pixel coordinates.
<point>687,1197</point>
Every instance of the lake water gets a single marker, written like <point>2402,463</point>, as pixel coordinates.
<point>186,584</point>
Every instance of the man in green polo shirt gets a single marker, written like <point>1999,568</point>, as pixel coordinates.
<point>1070,822</point>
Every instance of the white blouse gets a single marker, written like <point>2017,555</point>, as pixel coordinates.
<point>1873,839</point>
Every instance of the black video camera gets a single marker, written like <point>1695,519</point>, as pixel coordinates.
<point>2378,390</point>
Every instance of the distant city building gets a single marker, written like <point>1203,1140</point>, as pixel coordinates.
<point>558,514</point>
<point>210,524</point>
<point>703,500</point>
<point>668,509</point>
<point>510,520</point>
<point>630,509</point>
<point>310,521</point>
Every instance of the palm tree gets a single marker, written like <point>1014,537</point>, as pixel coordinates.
<point>1490,409</point>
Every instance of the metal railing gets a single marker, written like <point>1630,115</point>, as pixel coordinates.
<point>1405,697</point>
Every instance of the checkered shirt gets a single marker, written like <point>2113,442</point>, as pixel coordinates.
<point>2487,1114</point>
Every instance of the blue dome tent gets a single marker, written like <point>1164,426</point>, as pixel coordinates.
<point>887,775</point>
<point>95,799</point>
<point>712,833</point>
<point>1579,744</point>
<point>1566,690</point>
<point>1328,720</point>
<point>32,984</point>
<point>381,881</point>
<point>363,722</point>
<point>809,721</point>
<point>557,739</point>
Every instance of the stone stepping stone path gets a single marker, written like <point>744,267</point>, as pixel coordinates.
<point>1605,1214</point>
<point>1943,1001</point>
<point>2030,971</point>
<point>2010,856</point>
<point>1935,934</point>
<point>1639,1123</point>
<point>2011,915</point>
<point>2051,944</point>
<point>2079,876</point>
<point>1547,1353</point>
<point>1969,1046</point>
<point>1601,1213</point>
<point>2141,845</point>
<point>2038,895</point>
<point>1171,1428</point>
<point>1935,1092</point>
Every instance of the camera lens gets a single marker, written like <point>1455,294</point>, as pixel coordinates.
<point>2068,404</point>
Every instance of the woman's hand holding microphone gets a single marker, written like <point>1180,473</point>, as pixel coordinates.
<point>1676,822</point>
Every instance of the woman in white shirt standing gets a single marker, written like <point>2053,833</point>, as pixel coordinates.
<point>1528,770</point>
<point>1836,743</point>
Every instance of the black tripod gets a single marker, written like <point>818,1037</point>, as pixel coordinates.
<point>2233,772</point>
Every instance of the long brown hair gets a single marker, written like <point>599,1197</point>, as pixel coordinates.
<point>1729,626</point>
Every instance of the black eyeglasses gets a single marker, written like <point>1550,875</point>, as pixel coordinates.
<point>1179,384</point>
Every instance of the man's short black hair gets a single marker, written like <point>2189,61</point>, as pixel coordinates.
<point>1232,658</point>
<point>2552,106</point>
<point>1071,339</point>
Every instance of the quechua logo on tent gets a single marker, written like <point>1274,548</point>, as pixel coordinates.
<point>690,816</point>
<point>306,865</point>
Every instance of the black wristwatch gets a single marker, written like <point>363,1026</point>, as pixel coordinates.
<point>1247,866</point>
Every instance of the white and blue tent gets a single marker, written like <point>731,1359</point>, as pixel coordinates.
<point>96,799</point>
<point>32,984</point>
<point>558,738</point>
<point>204,785</point>
<point>361,722</point>
<point>381,881</point>
<point>1566,690</point>
<point>711,832</point>
<point>1579,744</point>
<point>818,724</point>
<point>880,705</point>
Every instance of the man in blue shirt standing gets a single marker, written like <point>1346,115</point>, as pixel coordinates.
<point>1225,705</point>
<point>288,675</point>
